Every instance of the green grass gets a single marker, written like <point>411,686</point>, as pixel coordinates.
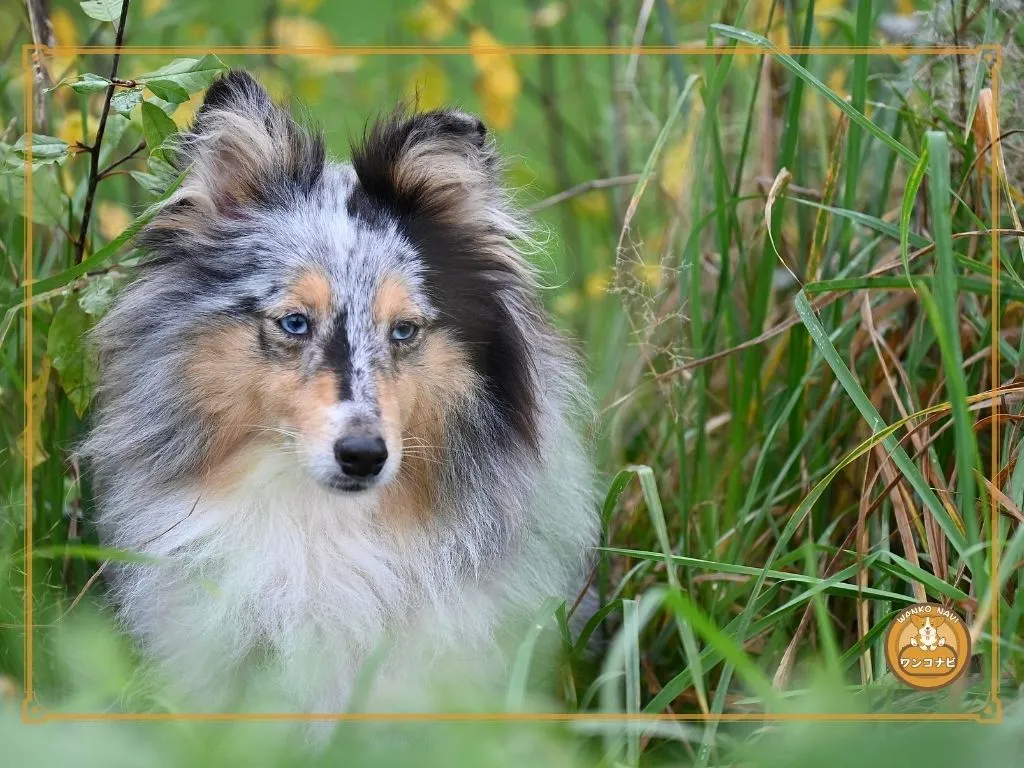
<point>788,460</point>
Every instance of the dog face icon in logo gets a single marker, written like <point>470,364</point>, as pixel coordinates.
<point>927,646</point>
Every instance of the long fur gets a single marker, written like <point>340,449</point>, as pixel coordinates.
<point>260,566</point>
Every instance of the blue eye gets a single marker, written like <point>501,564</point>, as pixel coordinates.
<point>403,331</point>
<point>295,324</point>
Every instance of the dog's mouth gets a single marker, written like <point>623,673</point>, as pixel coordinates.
<point>345,485</point>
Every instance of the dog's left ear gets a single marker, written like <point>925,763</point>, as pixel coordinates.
<point>441,163</point>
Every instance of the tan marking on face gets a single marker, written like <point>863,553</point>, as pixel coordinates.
<point>393,301</point>
<point>313,292</point>
<point>221,368</point>
<point>247,398</point>
<point>413,401</point>
<point>302,405</point>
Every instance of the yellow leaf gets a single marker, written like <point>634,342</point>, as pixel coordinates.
<point>65,34</point>
<point>38,394</point>
<point>428,85</point>
<point>339,64</point>
<point>596,284</point>
<point>112,218</point>
<point>825,13</point>
<point>779,32</point>
<point>300,32</point>
<point>187,110</point>
<point>549,15</point>
<point>676,164</point>
<point>497,84</point>
<point>593,203</point>
<point>435,19</point>
<point>568,303</point>
<point>153,7</point>
<point>64,30</point>
<point>70,129</point>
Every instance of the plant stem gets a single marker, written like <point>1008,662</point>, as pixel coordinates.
<point>106,171</point>
<point>94,171</point>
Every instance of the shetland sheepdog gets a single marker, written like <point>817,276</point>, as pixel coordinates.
<point>333,411</point>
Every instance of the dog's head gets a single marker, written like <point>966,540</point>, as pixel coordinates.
<point>346,313</point>
<point>927,627</point>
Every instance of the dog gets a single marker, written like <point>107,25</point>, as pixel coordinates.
<point>333,412</point>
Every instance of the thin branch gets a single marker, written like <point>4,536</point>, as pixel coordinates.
<point>94,171</point>
<point>42,34</point>
<point>106,171</point>
<point>583,188</point>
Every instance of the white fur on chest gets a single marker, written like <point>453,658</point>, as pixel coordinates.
<point>310,583</point>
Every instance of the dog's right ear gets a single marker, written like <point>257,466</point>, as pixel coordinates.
<point>242,152</point>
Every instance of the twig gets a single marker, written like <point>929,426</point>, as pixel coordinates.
<point>103,566</point>
<point>106,171</point>
<point>94,174</point>
<point>582,188</point>
<point>42,34</point>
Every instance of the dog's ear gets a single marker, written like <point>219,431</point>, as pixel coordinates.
<point>440,163</point>
<point>243,150</point>
<point>917,621</point>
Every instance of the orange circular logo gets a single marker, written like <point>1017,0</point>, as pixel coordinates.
<point>927,646</point>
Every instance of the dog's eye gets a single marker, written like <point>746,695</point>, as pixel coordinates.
<point>295,324</point>
<point>404,331</point>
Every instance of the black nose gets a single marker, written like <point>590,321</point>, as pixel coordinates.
<point>361,456</point>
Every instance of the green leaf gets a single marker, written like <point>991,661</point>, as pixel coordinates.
<point>168,90</point>
<point>944,314</point>
<point>102,10</point>
<point>97,295</point>
<point>156,126</point>
<point>49,203</point>
<point>124,101</point>
<point>191,75</point>
<point>94,553</point>
<point>66,347</point>
<point>751,38</point>
<point>149,182</point>
<point>85,83</point>
<point>55,283</point>
<point>878,426</point>
<point>726,644</point>
<point>909,196</point>
<point>649,487</point>
<point>163,171</point>
<point>45,149</point>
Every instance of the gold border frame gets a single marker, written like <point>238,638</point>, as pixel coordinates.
<point>32,711</point>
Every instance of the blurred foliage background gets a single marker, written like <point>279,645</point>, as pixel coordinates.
<point>767,259</point>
